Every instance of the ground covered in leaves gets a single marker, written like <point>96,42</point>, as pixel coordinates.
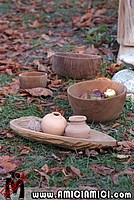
<point>30,31</point>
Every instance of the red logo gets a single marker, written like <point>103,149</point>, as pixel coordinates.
<point>12,186</point>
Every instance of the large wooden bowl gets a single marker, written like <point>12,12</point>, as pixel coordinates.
<point>74,65</point>
<point>97,110</point>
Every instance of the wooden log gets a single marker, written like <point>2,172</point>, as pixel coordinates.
<point>125,33</point>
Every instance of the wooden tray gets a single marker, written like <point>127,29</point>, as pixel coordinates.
<point>96,140</point>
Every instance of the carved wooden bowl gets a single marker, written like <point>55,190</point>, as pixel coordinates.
<point>74,65</point>
<point>99,110</point>
<point>32,80</point>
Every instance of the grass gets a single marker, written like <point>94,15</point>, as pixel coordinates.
<point>42,153</point>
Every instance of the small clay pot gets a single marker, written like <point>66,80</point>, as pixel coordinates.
<point>54,123</point>
<point>77,127</point>
<point>30,80</point>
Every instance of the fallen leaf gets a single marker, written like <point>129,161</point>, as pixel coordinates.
<point>34,125</point>
<point>38,92</point>
<point>131,144</point>
<point>116,125</point>
<point>45,168</point>
<point>50,53</point>
<point>114,178</point>
<point>24,152</point>
<point>9,135</point>
<point>121,156</point>
<point>114,68</point>
<point>126,137</point>
<point>79,49</point>
<point>105,50</point>
<point>35,24</point>
<point>129,118</point>
<point>9,164</point>
<point>56,158</point>
<point>43,174</point>
<point>28,148</point>
<point>9,72</point>
<point>45,37</point>
<point>91,50</point>
<point>91,153</point>
<point>61,96</point>
<point>104,127</point>
<point>131,131</point>
<point>41,67</point>
<point>123,146</point>
<point>76,171</point>
<point>102,170</point>
<point>129,171</point>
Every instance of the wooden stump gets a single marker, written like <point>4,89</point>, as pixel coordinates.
<point>125,33</point>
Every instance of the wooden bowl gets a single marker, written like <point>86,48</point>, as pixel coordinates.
<point>96,139</point>
<point>32,80</point>
<point>74,65</point>
<point>100,110</point>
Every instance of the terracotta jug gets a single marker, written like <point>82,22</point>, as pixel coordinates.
<point>77,127</point>
<point>54,123</point>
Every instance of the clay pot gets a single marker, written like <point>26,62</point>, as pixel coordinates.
<point>77,127</point>
<point>54,123</point>
<point>30,80</point>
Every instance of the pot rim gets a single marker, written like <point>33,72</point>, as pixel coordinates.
<point>32,74</point>
<point>74,56</point>
<point>96,80</point>
<point>56,114</point>
<point>77,118</point>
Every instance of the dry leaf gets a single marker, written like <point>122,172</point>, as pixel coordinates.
<point>91,50</point>
<point>34,125</point>
<point>50,53</point>
<point>40,66</point>
<point>76,171</point>
<point>129,171</point>
<point>121,156</point>
<point>45,168</point>
<point>45,37</point>
<point>24,152</point>
<point>56,158</point>
<point>36,24</point>
<point>79,49</point>
<point>28,148</point>
<point>9,164</point>
<point>102,170</point>
<point>114,178</point>
<point>91,153</point>
<point>116,125</point>
<point>9,72</point>
<point>37,92</point>
<point>9,135</point>
<point>43,174</point>
<point>61,96</point>
<point>105,50</point>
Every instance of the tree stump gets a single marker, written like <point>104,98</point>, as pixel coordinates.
<point>125,33</point>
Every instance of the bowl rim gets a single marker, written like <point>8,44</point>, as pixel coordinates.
<point>89,56</point>
<point>29,74</point>
<point>96,100</point>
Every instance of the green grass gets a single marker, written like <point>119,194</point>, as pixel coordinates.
<point>42,153</point>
